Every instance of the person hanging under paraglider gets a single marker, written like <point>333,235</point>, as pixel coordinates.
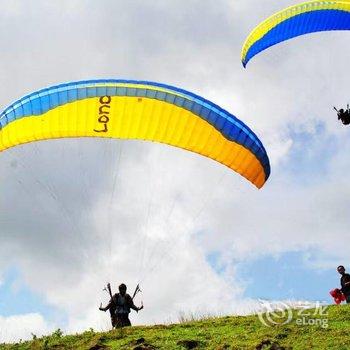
<point>343,115</point>
<point>119,306</point>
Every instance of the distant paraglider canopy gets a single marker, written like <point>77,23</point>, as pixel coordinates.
<point>136,110</point>
<point>304,18</point>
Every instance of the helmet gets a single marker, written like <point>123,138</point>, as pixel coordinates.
<point>122,287</point>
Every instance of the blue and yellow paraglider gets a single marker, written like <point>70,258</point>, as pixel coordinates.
<point>304,18</point>
<point>136,110</point>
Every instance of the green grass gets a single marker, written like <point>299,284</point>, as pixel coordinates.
<point>235,332</point>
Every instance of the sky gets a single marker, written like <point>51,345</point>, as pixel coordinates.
<point>200,239</point>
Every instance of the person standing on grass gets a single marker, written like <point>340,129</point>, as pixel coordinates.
<point>344,282</point>
<point>121,303</point>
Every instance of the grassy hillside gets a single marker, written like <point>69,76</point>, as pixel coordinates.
<point>219,333</point>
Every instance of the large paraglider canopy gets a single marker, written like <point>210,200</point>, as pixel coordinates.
<point>136,110</point>
<point>304,18</point>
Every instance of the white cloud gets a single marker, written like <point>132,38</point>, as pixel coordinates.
<point>16,327</point>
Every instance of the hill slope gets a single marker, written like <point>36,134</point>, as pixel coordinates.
<point>246,332</point>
